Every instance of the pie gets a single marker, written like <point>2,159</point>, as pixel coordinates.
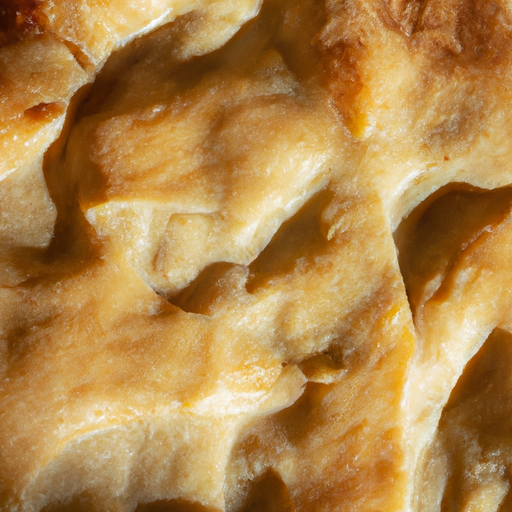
<point>255,255</point>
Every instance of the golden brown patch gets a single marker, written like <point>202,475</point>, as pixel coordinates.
<point>45,110</point>
<point>20,18</point>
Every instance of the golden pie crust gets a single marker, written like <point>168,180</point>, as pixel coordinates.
<point>255,255</point>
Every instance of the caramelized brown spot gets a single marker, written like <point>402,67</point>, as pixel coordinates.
<point>402,14</point>
<point>471,36</point>
<point>467,30</point>
<point>344,81</point>
<point>45,111</point>
<point>20,18</point>
<point>464,32</point>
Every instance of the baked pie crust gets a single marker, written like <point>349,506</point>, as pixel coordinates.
<point>255,255</point>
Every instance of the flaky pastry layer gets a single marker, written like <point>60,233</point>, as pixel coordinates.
<point>255,255</point>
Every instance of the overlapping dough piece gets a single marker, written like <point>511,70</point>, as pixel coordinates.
<point>50,51</point>
<point>38,79</point>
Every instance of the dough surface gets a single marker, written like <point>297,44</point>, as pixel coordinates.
<point>255,255</point>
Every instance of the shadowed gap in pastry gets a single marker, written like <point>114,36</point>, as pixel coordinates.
<point>175,505</point>
<point>474,438</point>
<point>269,494</point>
<point>299,237</point>
<point>81,503</point>
<point>434,235</point>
